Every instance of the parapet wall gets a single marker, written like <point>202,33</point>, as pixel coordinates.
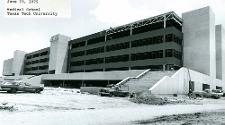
<point>179,82</point>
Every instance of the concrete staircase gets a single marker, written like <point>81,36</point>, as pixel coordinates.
<point>144,81</point>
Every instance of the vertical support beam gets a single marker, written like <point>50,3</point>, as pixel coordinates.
<point>164,37</point>
<point>86,41</point>
<point>164,17</point>
<point>164,67</point>
<point>129,56</point>
<point>82,83</point>
<point>164,53</point>
<point>105,36</point>
<point>105,48</point>
<point>69,58</point>
<point>131,30</point>
<point>164,40</point>
<point>85,52</point>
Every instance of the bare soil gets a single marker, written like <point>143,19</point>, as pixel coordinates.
<point>199,118</point>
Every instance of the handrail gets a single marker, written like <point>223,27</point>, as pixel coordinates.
<point>128,78</point>
<point>123,81</point>
<point>189,74</point>
<point>31,77</point>
<point>143,73</point>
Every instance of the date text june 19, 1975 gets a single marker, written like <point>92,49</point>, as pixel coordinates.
<point>22,1</point>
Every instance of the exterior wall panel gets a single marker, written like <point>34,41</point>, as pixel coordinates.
<point>7,67</point>
<point>199,41</point>
<point>220,53</point>
<point>18,62</point>
<point>58,54</point>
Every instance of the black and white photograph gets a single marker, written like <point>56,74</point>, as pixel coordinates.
<point>112,62</point>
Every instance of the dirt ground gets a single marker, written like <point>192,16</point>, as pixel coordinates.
<point>60,106</point>
<point>199,118</point>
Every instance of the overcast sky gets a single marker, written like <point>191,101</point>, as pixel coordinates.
<point>89,16</point>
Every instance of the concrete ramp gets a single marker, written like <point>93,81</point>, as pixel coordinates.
<point>34,80</point>
<point>178,83</point>
<point>144,81</point>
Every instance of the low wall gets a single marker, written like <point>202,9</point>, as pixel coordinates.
<point>91,90</point>
<point>17,78</point>
<point>36,81</point>
<point>111,75</point>
<point>31,79</point>
<point>179,82</point>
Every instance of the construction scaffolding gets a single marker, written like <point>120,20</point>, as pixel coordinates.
<point>156,19</point>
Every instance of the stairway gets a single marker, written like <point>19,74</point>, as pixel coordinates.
<point>144,82</point>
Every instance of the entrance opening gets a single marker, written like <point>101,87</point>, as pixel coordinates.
<point>191,86</point>
<point>218,87</point>
<point>205,86</point>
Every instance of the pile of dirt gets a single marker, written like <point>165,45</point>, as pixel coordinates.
<point>6,107</point>
<point>199,118</point>
<point>148,98</point>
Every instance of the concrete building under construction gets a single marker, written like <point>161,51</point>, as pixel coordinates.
<point>161,54</point>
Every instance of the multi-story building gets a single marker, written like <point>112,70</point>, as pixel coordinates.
<point>37,63</point>
<point>154,43</point>
<point>161,43</point>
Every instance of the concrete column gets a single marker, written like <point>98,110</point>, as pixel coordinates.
<point>59,53</point>
<point>164,24</point>
<point>199,41</point>
<point>7,67</point>
<point>220,53</point>
<point>18,62</point>
<point>164,67</point>
<point>131,30</point>
<point>105,36</point>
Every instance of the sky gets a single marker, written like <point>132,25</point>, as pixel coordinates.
<point>87,17</point>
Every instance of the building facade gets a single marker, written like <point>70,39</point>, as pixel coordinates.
<point>37,63</point>
<point>160,43</point>
<point>199,37</point>
<point>154,43</point>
